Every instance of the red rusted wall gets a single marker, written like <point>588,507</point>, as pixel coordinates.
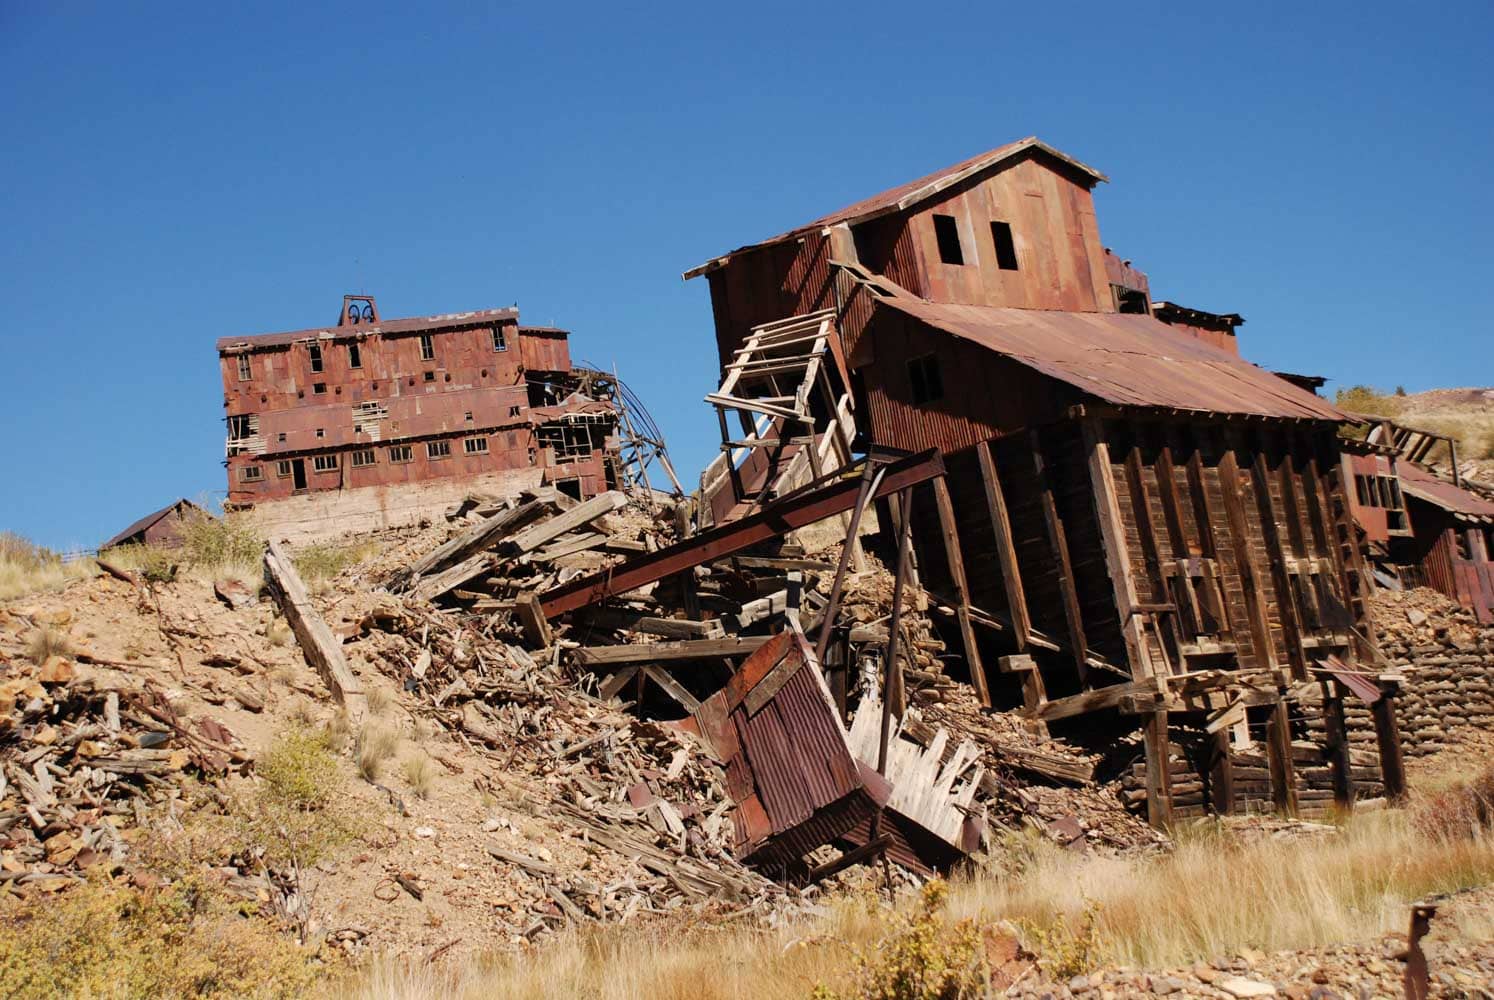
<point>1224,339</point>
<point>545,350</point>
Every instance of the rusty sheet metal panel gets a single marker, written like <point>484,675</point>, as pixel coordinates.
<point>415,324</point>
<point>1363,688</point>
<point>1120,272</point>
<point>406,418</point>
<point>1422,484</point>
<point>1124,359</point>
<point>789,768</point>
<point>544,349</point>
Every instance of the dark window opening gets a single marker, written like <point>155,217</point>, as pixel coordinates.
<point>242,426</point>
<point>298,474</point>
<point>514,411</point>
<point>1006,249</point>
<point>427,349</point>
<point>355,356</point>
<point>244,371</point>
<point>947,232</point>
<point>1129,300</point>
<point>250,474</point>
<point>923,376</point>
<point>399,453</point>
<point>321,432</point>
<point>570,487</point>
<point>500,339</point>
<point>438,449</point>
<point>362,457</point>
<point>430,376</point>
<point>316,357</point>
<point>319,389</point>
<point>324,463</point>
<point>475,446</point>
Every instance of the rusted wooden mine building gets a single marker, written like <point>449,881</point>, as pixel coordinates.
<point>1136,522</point>
<point>161,528</point>
<point>372,422</point>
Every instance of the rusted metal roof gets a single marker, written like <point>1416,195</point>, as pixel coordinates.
<point>414,324</point>
<point>1172,312</point>
<point>906,195</point>
<point>1123,358</point>
<point>145,523</point>
<point>1421,484</point>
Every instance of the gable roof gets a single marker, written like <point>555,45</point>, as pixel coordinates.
<point>146,522</point>
<point>905,196</point>
<point>412,324</point>
<point>1127,359</point>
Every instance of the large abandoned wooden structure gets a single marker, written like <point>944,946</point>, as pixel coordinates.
<point>377,422</point>
<point>1137,529</point>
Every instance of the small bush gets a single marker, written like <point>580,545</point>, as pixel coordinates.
<point>420,774</point>
<point>924,958</point>
<point>27,568</point>
<point>154,563</point>
<point>45,643</point>
<point>325,560</point>
<point>298,813</point>
<point>1464,811</point>
<point>1066,951</point>
<point>224,543</point>
<point>376,744</point>
<point>106,939</point>
<point>379,700</point>
<point>1367,399</point>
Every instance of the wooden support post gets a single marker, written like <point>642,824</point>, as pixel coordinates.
<point>1221,775</point>
<point>1158,770</point>
<point>1117,555</point>
<point>1338,744</point>
<point>895,626</point>
<point>532,620</point>
<point>1276,556</point>
<point>1034,694</point>
<point>1006,549</point>
<point>956,560</point>
<point>1058,544</point>
<point>1388,735</point>
<point>1279,758</point>
<point>1250,578</point>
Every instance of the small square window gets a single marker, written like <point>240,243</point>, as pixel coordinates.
<point>947,233</point>
<point>324,463</point>
<point>362,457</point>
<point>1006,249</point>
<point>513,411</point>
<point>500,339</point>
<point>475,446</point>
<point>319,389</point>
<point>321,433</point>
<point>280,437</point>
<point>430,376</point>
<point>355,356</point>
<point>469,416</point>
<point>316,357</point>
<point>282,469</point>
<point>245,373</point>
<point>923,376</point>
<point>438,449</point>
<point>427,348</point>
<point>399,453</point>
<point>250,474</point>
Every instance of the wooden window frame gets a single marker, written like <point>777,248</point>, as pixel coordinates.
<point>317,361</point>
<point>437,450</point>
<point>325,463</point>
<point>427,348</point>
<point>364,457</point>
<point>283,469</point>
<point>251,474</point>
<point>500,339</point>
<point>401,454</point>
<point>475,446</point>
<point>246,368</point>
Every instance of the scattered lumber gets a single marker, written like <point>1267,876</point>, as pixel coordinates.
<point>320,647</point>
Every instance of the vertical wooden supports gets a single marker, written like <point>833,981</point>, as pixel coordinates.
<point>1388,735</point>
<point>1033,691</point>
<point>1221,774</point>
<point>1117,556</point>
<point>1058,544</point>
<point>1279,758</point>
<point>1006,549</point>
<point>895,624</point>
<point>1338,744</point>
<point>956,561</point>
<point>1276,556</point>
<point>1250,579</point>
<point>1158,770</point>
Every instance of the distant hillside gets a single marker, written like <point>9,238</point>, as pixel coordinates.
<point>1466,415</point>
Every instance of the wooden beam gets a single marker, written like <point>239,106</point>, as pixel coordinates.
<point>478,538</point>
<point>1276,557</point>
<point>1221,775</point>
<point>663,652</point>
<point>1058,545</point>
<point>1279,759</point>
<point>1117,555</point>
<point>1172,510</point>
<point>322,649</point>
<point>672,687</point>
<point>532,620</point>
<point>1388,736</point>
<point>1158,771</point>
<point>642,621</point>
<point>956,560</point>
<point>1337,743</point>
<point>583,513</point>
<point>1092,701</point>
<point>1034,694</point>
<point>1239,530</point>
<point>1006,550</point>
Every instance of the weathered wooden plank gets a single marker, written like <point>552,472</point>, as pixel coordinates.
<point>1117,555</point>
<point>1276,557</point>
<point>1239,531</point>
<point>1158,771</point>
<point>1006,551</point>
<point>956,561</point>
<point>663,652</point>
<point>534,536</point>
<point>1058,545</point>
<point>642,621</point>
<point>320,647</point>
<point>1279,760</point>
<point>478,538</point>
<point>672,687</point>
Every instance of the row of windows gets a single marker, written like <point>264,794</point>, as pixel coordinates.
<point>355,356</point>
<point>947,234</point>
<point>364,457</point>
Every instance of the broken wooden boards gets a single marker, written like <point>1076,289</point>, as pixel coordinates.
<point>321,648</point>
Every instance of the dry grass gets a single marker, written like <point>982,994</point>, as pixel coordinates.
<point>379,700</point>
<point>47,642</point>
<point>1460,414</point>
<point>420,774</point>
<point>27,568</point>
<point>376,744</point>
<point>1216,894</point>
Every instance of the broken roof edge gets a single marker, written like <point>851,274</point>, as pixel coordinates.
<point>411,324</point>
<point>901,197</point>
<point>1188,312</point>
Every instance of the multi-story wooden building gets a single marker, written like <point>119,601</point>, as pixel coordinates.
<point>1135,520</point>
<point>373,423</point>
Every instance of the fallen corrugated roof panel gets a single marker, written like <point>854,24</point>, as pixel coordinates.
<point>905,195</point>
<point>1424,486</point>
<point>1123,358</point>
<point>413,324</point>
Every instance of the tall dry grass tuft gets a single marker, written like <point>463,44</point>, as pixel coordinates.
<point>28,568</point>
<point>376,744</point>
<point>47,642</point>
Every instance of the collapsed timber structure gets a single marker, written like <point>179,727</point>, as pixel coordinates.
<point>1137,527</point>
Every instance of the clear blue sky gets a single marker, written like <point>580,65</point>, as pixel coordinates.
<point>175,174</point>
